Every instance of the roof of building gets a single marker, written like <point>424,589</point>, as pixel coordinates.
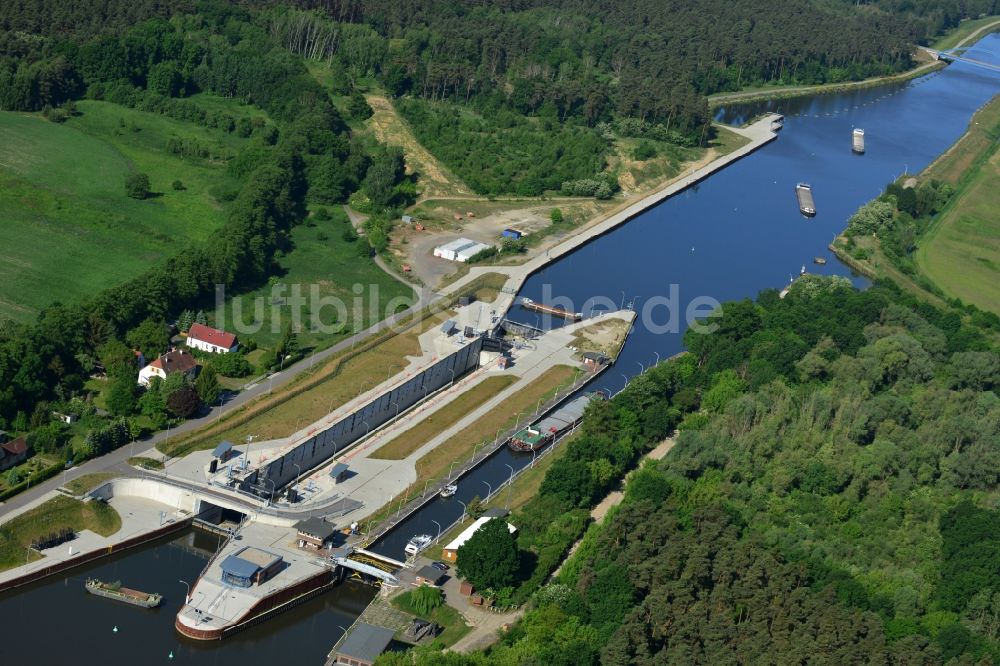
<point>175,361</point>
<point>15,446</point>
<point>472,529</point>
<point>246,562</point>
<point>595,356</point>
<point>472,250</point>
<point>366,642</point>
<point>212,336</point>
<point>338,469</point>
<point>456,245</point>
<point>316,527</point>
<point>427,572</point>
<point>224,447</point>
<point>496,512</point>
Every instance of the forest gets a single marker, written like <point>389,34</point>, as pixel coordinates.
<point>830,498</point>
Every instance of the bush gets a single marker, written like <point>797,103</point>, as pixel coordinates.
<point>137,185</point>
<point>178,186</point>
<point>644,151</point>
<point>231,365</point>
<point>425,599</point>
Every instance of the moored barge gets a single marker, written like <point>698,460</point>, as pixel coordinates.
<point>118,593</point>
<point>566,417</point>
<point>803,192</point>
<point>556,310</point>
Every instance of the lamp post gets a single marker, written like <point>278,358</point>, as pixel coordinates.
<point>510,484</point>
<point>187,594</point>
<point>452,376</point>
<point>439,529</point>
<point>298,475</point>
<point>534,452</point>
<point>451,468</point>
<point>625,377</point>
<point>273,489</point>
<point>622,306</point>
<point>642,370</point>
<point>396,416</point>
<point>246,462</point>
<point>489,489</point>
<point>424,491</point>
<point>539,405</point>
<point>367,429</point>
<point>465,509</point>
<point>657,357</point>
<point>496,440</point>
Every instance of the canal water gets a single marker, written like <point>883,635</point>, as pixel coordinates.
<point>57,622</point>
<point>731,236</point>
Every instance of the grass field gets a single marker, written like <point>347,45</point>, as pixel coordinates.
<point>961,252</point>
<point>429,427</point>
<point>16,535</point>
<point>69,229</point>
<point>972,147</point>
<point>320,262</point>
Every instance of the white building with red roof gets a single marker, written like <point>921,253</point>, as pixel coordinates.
<point>211,339</point>
<point>172,362</point>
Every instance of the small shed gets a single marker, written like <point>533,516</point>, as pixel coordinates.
<point>315,533</point>
<point>339,472</point>
<point>224,451</point>
<point>407,219</point>
<point>448,327</point>
<point>428,575</point>
<point>363,645</point>
<point>470,332</point>
<point>594,360</point>
<point>511,233</point>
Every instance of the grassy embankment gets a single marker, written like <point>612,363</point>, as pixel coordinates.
<point>17,534</point>
<point>69,228</point>
<point>319,390</point>
<point>432,425</point>
<point>964,30</point>
<point>88,482</point>
<point>960,252</point>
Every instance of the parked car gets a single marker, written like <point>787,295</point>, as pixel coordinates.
<point>440,566</point>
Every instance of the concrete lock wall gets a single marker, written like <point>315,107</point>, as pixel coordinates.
<point>325,444</point>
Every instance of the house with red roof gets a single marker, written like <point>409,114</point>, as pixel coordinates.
<point>211,340</point>
<point>14,452</point>
<point>167,364</point>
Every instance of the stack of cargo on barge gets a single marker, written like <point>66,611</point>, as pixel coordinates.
<point>118,593</point>
<point>566,417</point>
<point>858,141</point>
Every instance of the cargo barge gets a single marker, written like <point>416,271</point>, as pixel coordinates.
<point>556,310</point>
<point>858,141</point>
<point>565,418</point>
<point>803,192</point>
<point>118,593</point>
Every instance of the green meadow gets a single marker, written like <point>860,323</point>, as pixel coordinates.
<point>67,227</point>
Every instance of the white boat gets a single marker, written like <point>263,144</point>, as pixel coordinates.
<point>449,490</point>
<point>417,544</point>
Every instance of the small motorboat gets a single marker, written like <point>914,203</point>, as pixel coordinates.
<point>417,544</point>
<point>449,490</point>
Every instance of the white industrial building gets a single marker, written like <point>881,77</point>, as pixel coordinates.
<point>461,250</point>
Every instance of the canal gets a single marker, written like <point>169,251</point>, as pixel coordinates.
<point>56,622</point>
<point>731,236</point>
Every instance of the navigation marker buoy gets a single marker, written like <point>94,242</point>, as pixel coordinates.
<point>171,655</point>
<point>115,630</point>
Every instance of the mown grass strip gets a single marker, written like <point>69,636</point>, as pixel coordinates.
<point>16,535</point>
<point>409,441</point>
